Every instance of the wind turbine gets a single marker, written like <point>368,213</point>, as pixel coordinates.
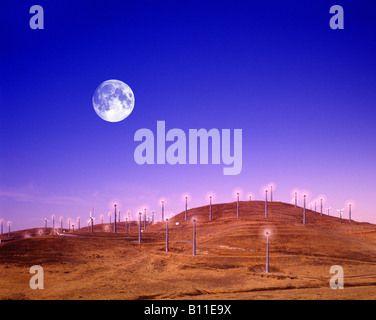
<point>349,211</point>
<point>304,209</point>
<point>321,206</point>
<point>266,203</point>
<point>186,207</point>
<point>210,208</point>
<point>45,222</point>
<point>92,222</point>
<point>115,205</point>
<point>271,193</point>
<point>340,212</point>
<point>328,209</point>
<point>237,204</point>
<point>139,227</point>
<point>267,233</point>
<point>167,235</point>
<point>162,202</point>
<point>126,225</point>
<point>194,237</point>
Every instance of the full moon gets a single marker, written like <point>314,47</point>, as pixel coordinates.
<point>113,100</point>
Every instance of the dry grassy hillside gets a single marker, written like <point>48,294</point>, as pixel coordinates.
<point>229,264</point>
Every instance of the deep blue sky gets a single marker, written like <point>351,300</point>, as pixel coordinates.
<point>303,94</point>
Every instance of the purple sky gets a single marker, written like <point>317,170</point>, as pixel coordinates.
<point>303,94</point>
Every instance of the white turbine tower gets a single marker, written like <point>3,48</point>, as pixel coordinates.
<point>340,212</point>
<point>328,209</point>
<point>237,204</point>
<point>186,207</point>
<point>266,203</point>
<point>162,203</point>
<point>304,208</point>
<point>349,211</point>
<point>92,222</point>
<point>321,206</point>
<point>267,233</point>
<point>126,225</point>
<point>210,208</point>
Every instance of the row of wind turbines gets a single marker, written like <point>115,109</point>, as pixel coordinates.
<point>147,219</point>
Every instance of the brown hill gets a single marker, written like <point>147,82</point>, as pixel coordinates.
<point>230,260</point>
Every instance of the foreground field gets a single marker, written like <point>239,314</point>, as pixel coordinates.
<point>230,260</point>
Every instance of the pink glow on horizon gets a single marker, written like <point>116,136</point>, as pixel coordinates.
<point>186,194</point>
<point>208,195</point>
<point>235,191</point>
<point>176,202</point>
<point>266,187</point>
<point>348,202</point>
<point>143,208</point>
<point>252,195</point>
<point>323,197</point>
<point>306,193</point>
<point>297,191</point>
<point>114,201</point>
